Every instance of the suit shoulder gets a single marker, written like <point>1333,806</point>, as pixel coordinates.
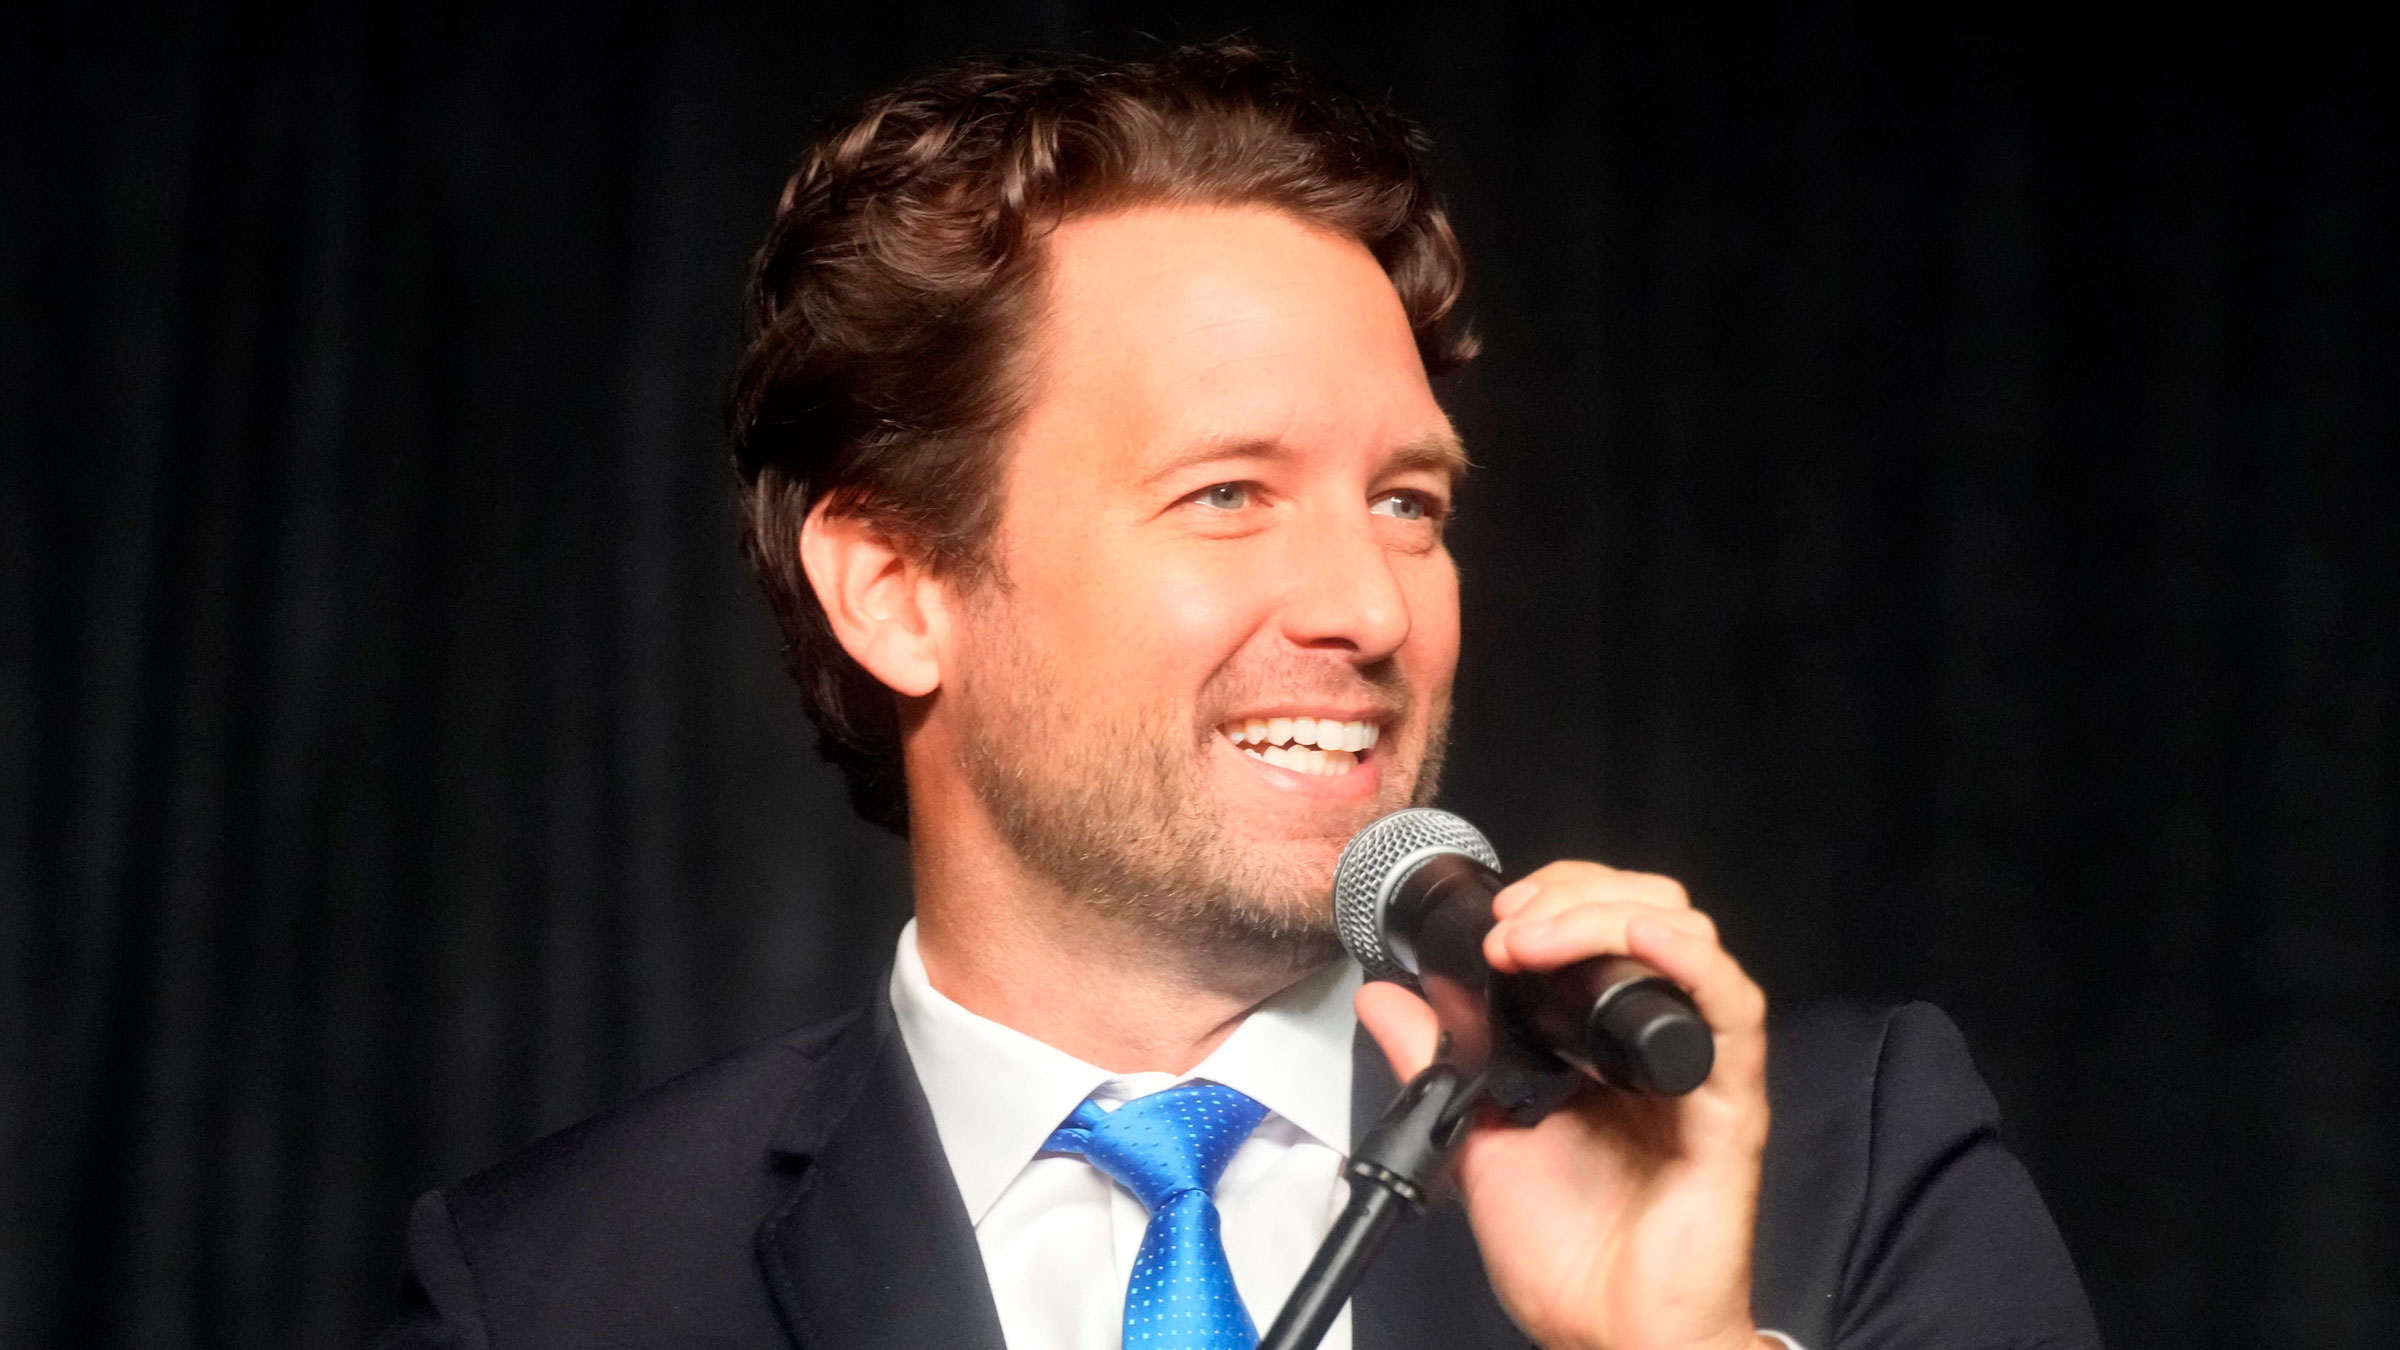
<point>697,1135</point>
<point>634,1227</point>
<point>1862,1096</point>
<point>1821,1033</point>
<point>1831,1095</point>
<point>1887,1205</point>
<point>1844,1058</point>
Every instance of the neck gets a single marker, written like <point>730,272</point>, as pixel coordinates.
<point>1070,972</point>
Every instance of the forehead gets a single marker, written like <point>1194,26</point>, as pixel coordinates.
<point>1168,331</point>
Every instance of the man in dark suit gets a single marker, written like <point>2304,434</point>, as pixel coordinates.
<point>1092,467</point>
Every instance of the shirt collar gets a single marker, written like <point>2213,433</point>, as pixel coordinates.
<point>997,1093</point>
<point>1292,1054</point>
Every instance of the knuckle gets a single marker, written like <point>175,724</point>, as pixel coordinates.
<point>1596,920</point>
<point>1668,891</point>
<point>1575,872</point>
<point>1750,1004</point>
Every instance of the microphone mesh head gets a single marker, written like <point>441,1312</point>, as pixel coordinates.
<point>1372,866</point>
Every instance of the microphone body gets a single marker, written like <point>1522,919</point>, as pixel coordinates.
<point>1413,901</point>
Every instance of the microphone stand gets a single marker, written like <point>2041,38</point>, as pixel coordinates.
<point>1390,1175</point>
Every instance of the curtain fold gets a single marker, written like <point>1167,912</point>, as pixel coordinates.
<point>1931,499</point>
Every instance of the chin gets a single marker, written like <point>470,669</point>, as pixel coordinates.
<point>1294,881</point>
<point>1288,940</point>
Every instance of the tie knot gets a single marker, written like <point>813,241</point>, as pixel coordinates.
<point>1164,1144</point>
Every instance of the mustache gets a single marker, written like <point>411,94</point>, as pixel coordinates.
<point>1379,686</point>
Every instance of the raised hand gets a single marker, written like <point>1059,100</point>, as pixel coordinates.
<point>1620,1221</point>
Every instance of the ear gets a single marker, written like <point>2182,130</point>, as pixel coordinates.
<point>885,604</point>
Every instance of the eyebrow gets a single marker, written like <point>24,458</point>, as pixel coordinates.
<point>1440,452</point>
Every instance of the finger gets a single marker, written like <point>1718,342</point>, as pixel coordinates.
<point>1402,1024</point>
<point>1564,885</point>
<point>1514,897</point>
<point>1727,997</point>
<point>1546,941</point>
<point>1572,881</point>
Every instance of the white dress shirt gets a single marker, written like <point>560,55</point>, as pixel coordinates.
<point>1058,1236</point>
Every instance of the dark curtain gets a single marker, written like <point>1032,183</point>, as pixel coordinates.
<point>1930,502</point>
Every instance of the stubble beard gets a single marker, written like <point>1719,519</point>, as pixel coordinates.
<point>1114,812</point>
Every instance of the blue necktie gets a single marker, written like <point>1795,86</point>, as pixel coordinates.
<point>1169,1148</point>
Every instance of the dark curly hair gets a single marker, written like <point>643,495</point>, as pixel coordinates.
<point>889,304</point>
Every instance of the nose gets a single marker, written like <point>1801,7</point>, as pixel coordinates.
<point>1343,593</point>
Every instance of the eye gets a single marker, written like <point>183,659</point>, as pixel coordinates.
<point>1224,496</point>
<point>1403,506</point>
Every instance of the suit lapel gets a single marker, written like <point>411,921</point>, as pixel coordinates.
<point>874,1249</point>
<point>1427,1289</point>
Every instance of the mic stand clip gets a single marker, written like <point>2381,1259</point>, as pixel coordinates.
<point>1391,1175</point>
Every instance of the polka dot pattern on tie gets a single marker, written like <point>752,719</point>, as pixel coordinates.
<point>1169,1148</point>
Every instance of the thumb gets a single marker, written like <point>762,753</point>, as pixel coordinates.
<point>1401,1023</point>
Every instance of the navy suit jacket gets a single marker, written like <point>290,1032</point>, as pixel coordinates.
<point>794,1194</point>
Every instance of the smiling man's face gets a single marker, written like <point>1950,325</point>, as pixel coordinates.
<point>1224,623</point>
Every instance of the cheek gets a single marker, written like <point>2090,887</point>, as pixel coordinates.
<point>1184,616</point>
<point>1431,656</point>
<point>1137,622</point>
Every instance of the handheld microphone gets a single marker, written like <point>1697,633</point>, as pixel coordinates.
<point>1412,900</point>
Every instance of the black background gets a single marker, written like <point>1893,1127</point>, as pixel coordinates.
<point>1929,504</point>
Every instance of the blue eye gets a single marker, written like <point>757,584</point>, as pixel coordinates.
<point>1224,496</point>
<point>1400,505</point>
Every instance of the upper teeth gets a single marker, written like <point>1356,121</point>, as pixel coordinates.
<point>1325,734</point>
<point>1314,745</point>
